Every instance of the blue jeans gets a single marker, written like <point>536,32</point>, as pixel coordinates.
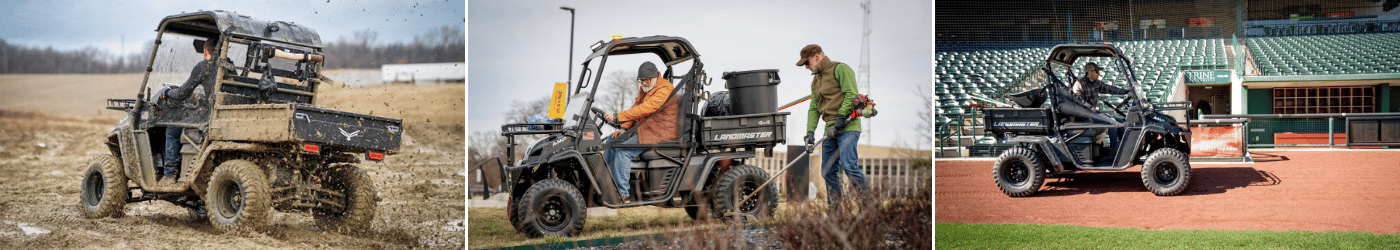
<point>620,160</point>
<point>172,151</point>
<point>846,161</point>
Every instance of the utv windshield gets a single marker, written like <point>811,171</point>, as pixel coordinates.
<point>174,59</point>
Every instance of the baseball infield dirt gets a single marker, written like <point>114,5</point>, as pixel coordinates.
<point>1347,190</point>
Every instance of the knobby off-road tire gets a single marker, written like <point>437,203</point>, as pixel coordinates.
<point>701,208</point>
<point>513,213</point>
<point>237,196</point>
<point>1019,172</point>
<point>104,188</point>
<point>738,182</point>
<point>359,200</point>
<point>552,207</point>
<point>1166,172</point>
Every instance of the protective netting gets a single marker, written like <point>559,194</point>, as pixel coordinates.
<point>1078,21</point>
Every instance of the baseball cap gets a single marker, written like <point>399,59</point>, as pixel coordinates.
<point>811,49</point>
<point>1092,67</point>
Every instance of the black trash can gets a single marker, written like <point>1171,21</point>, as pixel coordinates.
<point>753,91</point>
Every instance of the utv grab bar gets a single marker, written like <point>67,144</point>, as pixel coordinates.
<point>121,104</point>
<point>524,128</point>
<point>297,56</point>
<point>1171,106</point>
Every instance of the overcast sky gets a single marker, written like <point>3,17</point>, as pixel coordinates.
<point>68,25</point>
<point>516,50</point>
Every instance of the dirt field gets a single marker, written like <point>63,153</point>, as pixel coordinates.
<point>1286,190</point>
<point>50,125</point>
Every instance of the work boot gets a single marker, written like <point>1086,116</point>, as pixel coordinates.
<point>167,181</point>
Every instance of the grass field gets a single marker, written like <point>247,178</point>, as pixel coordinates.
<point>1026,236</point>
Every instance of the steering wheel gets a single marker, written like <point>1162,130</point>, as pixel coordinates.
<point>1119,108</point>
<point>600,114</point>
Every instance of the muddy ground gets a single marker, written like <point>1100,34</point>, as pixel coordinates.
<point>47,136</point>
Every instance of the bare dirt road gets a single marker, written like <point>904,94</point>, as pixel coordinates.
<point>1286,190</point>
<point>50,125</point>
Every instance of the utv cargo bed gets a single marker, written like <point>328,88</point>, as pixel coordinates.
<point>755,130</point>
<point>1017,120</point>
<point>306,123</point>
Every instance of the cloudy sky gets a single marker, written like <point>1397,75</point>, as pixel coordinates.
<point>516,50</point>
<point>68,25</point>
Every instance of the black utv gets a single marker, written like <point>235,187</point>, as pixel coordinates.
<point>1053,130</point>
<point>703,171</point>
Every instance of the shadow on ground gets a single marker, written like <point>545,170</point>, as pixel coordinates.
<point>1203,181</point>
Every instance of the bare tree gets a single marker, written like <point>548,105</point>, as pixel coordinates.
<point>520,113</point>
<point>925,112</point>
<point>361,50</point>
<point>618,92</point>
<point>484,145</point>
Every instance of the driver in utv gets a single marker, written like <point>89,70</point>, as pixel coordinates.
<point>660,127</point>
<point>1087,89</point>
<point>182,102</point>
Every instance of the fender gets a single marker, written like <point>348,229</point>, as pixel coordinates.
<point>709,165</point>
<point>1045,148</point>
<point>199,173</point>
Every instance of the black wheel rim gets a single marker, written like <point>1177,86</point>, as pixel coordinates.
<point>553,213</point>
<point>232,200</point>
<point>1165,173</point>
<point>750,206</point>
<point>93,184</point>
<point>1015,172</point>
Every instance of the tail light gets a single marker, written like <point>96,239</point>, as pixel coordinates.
<point>311,148</point>
<point>374,156</point>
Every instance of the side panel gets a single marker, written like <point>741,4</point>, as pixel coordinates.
<point>263,123</point>
<point>136,152</point>
<point>1132,141</point>
<point>602,176</point>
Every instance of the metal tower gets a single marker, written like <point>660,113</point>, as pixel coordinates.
<point>863,77</point>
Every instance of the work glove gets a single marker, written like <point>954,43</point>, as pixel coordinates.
<point>839,124</point>
<point>809,139</point>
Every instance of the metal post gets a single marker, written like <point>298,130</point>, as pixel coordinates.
<point>1329,132</point>
<point>569,78</point>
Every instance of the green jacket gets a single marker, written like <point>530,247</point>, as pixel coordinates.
<point>833,89</point>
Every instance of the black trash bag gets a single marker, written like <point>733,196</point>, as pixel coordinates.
<point>718,105</point>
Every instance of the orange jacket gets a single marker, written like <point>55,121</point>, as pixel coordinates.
<point>662,125</point>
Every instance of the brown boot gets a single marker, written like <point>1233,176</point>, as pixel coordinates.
<point>167,181</point>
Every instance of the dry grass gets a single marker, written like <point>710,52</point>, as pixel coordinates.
<point>489,228</point>
<point>880,221</point>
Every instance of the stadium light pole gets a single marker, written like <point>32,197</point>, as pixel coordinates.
<point>568,79</point>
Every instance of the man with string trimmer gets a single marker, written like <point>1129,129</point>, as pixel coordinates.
<point>833,95</point>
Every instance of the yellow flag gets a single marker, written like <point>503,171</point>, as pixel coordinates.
<point>557,101</point>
